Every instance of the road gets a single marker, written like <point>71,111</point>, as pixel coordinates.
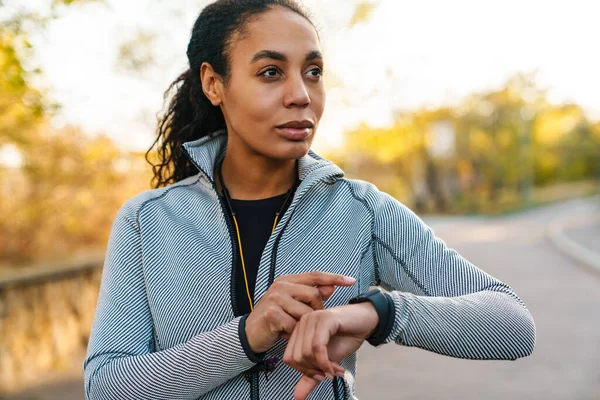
<point>563,297</point>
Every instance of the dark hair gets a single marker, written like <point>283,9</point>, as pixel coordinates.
<point>190,115</point>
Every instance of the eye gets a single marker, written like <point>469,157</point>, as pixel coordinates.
<point>316,72</point>
<point>270,73</point>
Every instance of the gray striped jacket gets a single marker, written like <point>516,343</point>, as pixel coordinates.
<point>164,326</point>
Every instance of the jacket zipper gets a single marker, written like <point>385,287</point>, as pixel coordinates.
<point>339,389</point>
<point>251,377</point>
<point>274,252</point>
<point>336,392</point>
<point>234,247</point>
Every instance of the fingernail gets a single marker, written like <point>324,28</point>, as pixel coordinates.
<point>320,378</point>
<point>349,279</point>
<point>339,374</point>
<point>329,376</point>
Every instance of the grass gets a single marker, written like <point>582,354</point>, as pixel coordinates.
<point>509,201</point>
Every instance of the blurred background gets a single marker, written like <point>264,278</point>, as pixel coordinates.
<point>481,116</point>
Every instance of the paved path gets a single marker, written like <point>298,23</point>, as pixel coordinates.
<point>563,298</point>
<point>587,236</point>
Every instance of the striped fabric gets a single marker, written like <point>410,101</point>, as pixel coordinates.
<point>164,326</point>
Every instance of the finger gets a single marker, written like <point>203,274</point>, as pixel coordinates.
<point>309,295</point>
<point>289,349</point>
<point>313,373</point>
<point>319,278</point>
<point>292,306</point>
<point>304,386</point>
<point>297,349</point>
<point>326,291</point>
<point>315,355</point>
<point>326,327</point>
<point>339,370</point>
<point>319,341</point>
<point>282,321</point>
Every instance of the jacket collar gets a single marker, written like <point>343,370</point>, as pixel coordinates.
<point>206,151</point>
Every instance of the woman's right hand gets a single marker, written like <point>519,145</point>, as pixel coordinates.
<point>285,302</point>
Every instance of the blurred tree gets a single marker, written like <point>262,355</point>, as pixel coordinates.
<point>506,140</point>
<point>21,107</point>
<point>63,194</point>
<point>137,52</point>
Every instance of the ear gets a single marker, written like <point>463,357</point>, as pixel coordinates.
<point>212,84</point>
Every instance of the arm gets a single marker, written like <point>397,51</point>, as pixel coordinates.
<point>121,362</point>
<point>442,302</point>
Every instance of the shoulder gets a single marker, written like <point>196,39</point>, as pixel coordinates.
<point>362,190</point>
<point>379,202</point>
<point>133,207</point>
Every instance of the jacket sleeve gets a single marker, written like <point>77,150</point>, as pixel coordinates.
<point>442,302</point>
<point>121,362</point>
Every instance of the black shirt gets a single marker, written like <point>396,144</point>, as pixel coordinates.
<point>255,220</point>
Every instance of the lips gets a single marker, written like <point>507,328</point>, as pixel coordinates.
<point>297,125</point>
<point>296,130</point>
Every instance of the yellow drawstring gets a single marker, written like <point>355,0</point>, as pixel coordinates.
<point>242,257</point>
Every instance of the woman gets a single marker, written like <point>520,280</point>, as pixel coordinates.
<point>246,273</point>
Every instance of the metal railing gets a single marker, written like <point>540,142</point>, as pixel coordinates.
<point>49,271</point>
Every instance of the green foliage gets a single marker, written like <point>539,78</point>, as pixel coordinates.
<point>505,142</point>
<point>20,105</point>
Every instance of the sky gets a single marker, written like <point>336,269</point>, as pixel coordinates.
<point>408,55</point>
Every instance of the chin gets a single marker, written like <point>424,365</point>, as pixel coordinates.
<point>287,151</point>
<point>296,149</point>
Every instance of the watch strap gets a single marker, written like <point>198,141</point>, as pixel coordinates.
<point>384,306</point>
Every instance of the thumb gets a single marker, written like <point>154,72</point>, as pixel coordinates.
<point>304,386</point>
<point>326,291</point>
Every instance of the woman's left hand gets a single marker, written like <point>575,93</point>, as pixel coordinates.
<point>321,339</point>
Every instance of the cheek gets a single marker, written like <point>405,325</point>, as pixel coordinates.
<point>318,99</point>
<point>249,107</point>
<point>263,104</point>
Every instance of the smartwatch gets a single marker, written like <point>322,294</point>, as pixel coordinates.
<point>384,307</point>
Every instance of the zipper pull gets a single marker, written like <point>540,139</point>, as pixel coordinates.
<point>270,365</point>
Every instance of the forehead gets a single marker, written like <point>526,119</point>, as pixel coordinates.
<point>278,29</point>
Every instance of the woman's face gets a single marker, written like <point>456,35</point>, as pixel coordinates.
<point>275,79</point>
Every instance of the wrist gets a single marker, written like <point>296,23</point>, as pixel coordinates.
<point>384,308</point>
<point>370,318</point>
<point>246,339</point>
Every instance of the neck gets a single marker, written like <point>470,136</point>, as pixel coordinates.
<point>256,177</point>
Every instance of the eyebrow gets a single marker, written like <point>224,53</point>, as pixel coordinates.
<point>275,55</point>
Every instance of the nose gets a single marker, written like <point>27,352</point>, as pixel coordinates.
<point>296,93</point>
